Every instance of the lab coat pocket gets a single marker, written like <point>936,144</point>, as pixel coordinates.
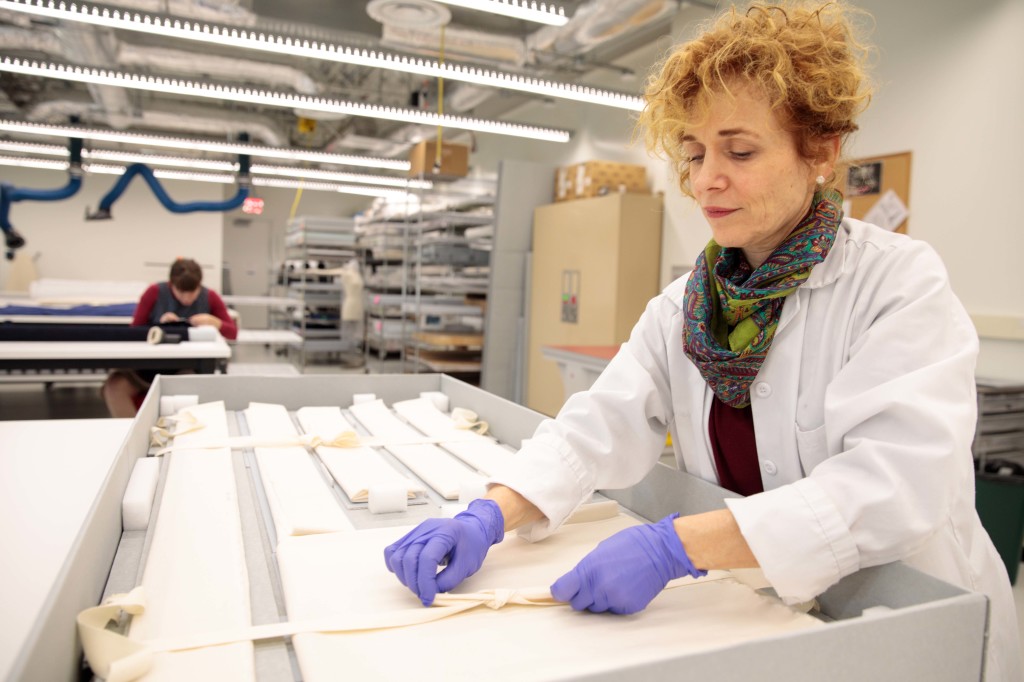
<point>812,447</point>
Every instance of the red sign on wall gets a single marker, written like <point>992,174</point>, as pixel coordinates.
<point>253,205</point>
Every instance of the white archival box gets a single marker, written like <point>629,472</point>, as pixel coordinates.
<point>916,628</point>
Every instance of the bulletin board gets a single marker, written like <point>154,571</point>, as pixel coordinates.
<point>865,181</point>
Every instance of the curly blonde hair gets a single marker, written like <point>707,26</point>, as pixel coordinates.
<point>807,60</point>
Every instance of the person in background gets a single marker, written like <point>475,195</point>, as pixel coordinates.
<point>818,365</point>
<point>181,299</point>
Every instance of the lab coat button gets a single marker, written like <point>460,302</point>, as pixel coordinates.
<point>763,390</point>
<point>769,467</point>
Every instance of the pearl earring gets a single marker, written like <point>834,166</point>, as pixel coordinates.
<point>820,180</point>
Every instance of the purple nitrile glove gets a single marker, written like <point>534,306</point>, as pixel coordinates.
<point>462,541</point>
<point>626,571</point>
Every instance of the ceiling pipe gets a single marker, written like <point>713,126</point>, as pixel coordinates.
<point>228,69</point>
<point>209,122</point>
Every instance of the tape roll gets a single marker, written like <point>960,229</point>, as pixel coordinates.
<point>386,499</point>
<point>204,333</point>
<point>440,400</point>
<point>156,335</point>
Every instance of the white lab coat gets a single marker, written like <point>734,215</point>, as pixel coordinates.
<point>864,412</point>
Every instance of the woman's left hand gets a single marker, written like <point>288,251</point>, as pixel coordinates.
<point>626,571</point>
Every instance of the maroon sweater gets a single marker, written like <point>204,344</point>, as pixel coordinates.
<point>731,430</point>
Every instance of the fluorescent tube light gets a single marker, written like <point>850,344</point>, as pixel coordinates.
<point>25,162</point>
<point>542,13</point>
<point>301,47</point>
<point>215,165</point>
<point>164,174</point>
<point>100,135</point>
<point>329,187</point>
<point>134,81</point>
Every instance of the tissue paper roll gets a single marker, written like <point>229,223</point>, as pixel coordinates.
<point>137,504</point>
<point>205,333</point>
<point>440,400</point>
<point>384,499</point>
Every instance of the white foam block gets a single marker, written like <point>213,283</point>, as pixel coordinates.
<point>440,400</point>
<point>183,401</point>
<point>137,504</point>
<point>204,333</point>
<point>385,499</point>
<point>168,405</point>
<point>363,398</point>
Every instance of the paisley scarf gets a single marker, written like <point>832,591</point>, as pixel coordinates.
<point>732,310</point>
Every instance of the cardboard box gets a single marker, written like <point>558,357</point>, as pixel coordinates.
<point>598,178</point>
<point>454,160</point>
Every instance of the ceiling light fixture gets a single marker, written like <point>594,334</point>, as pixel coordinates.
<point>542,13</point>
<point>163,174</point>
<point>174,86</point>
<point>301,47</point>
<point>215,165</point>
<point>100,135</point>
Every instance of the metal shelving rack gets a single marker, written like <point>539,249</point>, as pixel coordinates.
<point>427,280</point>
<point>315,249</point>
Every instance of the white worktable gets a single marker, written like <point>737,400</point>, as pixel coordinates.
<point>201,356</point>
<point>51,472</point>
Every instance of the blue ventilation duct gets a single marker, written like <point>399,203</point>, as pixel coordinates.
<point>107,202</point>
<point>10,194</point>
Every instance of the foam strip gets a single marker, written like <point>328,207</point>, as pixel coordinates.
<point>202,333</point>
<point>436,467</point>
<point>137,504</point>
<point>358,469</point>
<point>300,501</point>
<point>385,499</point>
<point>439,400</point>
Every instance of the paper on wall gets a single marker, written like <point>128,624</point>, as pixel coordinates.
<point>889,212</point>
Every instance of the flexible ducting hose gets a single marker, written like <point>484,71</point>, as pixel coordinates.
<point>170,204</point>
<point>10,194</point>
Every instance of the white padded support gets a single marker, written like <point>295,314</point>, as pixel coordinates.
<point>195,576</point>
<point>300,500</point>
<point>342,573</point>
<point>439,469</point>
<point>137,503</point>
<point>480,452</point>
<point>357,470</point>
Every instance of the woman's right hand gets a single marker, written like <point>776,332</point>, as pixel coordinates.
<point>168,317</point>
<point>462,541</point>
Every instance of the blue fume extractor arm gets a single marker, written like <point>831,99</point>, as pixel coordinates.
<point>10,194</point>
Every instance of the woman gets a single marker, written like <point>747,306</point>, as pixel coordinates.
<point>182,298</point>
<point>818,365</point>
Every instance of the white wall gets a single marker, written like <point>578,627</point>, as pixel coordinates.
<point>138,244</point>
<point>950,91</point>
